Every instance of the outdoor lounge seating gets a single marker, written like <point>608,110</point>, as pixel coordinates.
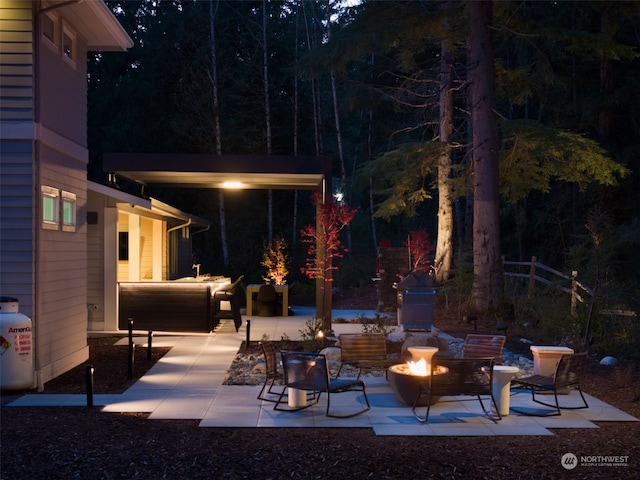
<point>273,374</point>
<point>464,376</point>
<point>366,351</point>
<point>228,293</point>
<point>309,371</point>
<point>567,376</point>
<point>476,346</point>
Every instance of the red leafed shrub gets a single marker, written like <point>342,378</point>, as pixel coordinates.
<point>332,218</point>
<point>420,248</point>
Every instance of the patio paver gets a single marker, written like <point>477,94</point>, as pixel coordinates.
<point>187,384</point>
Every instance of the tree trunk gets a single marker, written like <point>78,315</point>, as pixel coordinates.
<point>487,290</point>
<point>444,242</point>
<point>296,110</point>
<point>218,134</point>
<point>267,111</point>
<point>336,115</point>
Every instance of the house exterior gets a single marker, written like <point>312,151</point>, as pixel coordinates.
<point>43,180</point>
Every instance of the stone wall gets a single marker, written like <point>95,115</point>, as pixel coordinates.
<point>393,263</point>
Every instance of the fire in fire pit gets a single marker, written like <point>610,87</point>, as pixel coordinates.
<point>405,378</point>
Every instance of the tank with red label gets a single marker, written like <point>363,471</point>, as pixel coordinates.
<point>16,347</point>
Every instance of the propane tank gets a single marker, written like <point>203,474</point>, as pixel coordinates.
<point>16,346</point>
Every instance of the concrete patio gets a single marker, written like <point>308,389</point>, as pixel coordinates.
<point>187,384</point>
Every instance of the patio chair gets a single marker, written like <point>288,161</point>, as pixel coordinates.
<point>267,301</point>
<point>309,371</point>
<point>365,351</point>
<point>273,374</point>
<point>272,371</point>
<point>462,376</point>
<point>228,293</point>
<point>566,376</point>
<point>476,346</point>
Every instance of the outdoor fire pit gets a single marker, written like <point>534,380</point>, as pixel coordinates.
<point>404,381</point>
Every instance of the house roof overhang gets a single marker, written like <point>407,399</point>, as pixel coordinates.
<point>95,22</point>
<point>147,207</point>
<point>223,171</point>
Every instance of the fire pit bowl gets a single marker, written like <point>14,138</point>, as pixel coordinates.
<point>405,384</point>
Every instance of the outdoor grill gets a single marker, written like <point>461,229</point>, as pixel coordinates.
<point>416,301</point>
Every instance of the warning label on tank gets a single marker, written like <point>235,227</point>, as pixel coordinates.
<point>23,343</point>
<point>5,344</point>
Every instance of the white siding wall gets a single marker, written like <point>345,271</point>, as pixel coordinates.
<point>62,273</point>
<point>64,86</point>
<point>16,58</point>
<point>17,213</point>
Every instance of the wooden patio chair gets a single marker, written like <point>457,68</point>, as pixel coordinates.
<point>309,371</point>
<point>273,373</point>
<point>365,351</point>
<point>566,376</point>
<point>464,376</point>
<point>479,346</point>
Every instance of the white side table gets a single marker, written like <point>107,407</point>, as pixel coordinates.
<point>546,358</point>
<point>419,352</point>
<point>502,376</point>
<point>296,398</point>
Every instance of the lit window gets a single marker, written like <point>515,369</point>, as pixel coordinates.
<point>50,206</point>
<point>68,211</point>
<point>68,45</point>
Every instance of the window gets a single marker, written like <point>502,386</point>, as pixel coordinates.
<point>49,29</point>
<point>123,246</point>
<point>50,207</point>
<point>68,45</point>
<point>68,211</point>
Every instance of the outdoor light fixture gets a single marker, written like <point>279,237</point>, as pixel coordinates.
<point>232,185</point>
<point>339,196</point>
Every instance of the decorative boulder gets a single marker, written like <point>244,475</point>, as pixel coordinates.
<point>332,354</point>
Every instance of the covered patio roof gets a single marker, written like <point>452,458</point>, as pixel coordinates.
<point>222,171</point>
<point>232,171</point>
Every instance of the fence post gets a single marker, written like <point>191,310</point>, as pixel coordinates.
<point>532,276</point>
<point>574,290</point>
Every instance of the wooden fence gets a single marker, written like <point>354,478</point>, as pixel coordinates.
<point>565,283</point>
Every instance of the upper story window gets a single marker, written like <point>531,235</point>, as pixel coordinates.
<point>68,211</point>
<point>49,28</point>
<point>69,45</point>
<point>50,207</point>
